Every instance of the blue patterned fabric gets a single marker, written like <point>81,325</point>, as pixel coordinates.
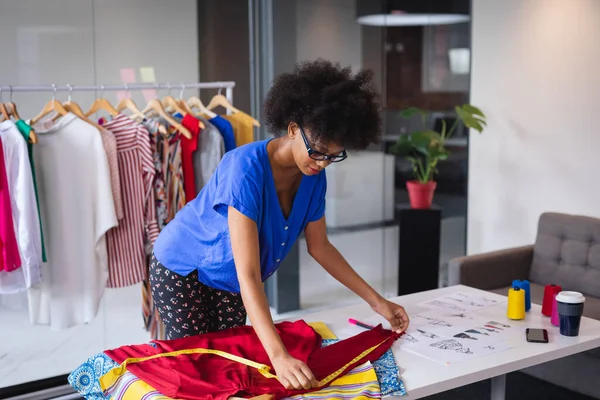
<point>86,378</point>
<point>387,373</point>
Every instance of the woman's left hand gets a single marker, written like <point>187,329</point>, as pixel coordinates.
<point>394,313</point>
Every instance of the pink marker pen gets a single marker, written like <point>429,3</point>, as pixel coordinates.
<point>361,324</point>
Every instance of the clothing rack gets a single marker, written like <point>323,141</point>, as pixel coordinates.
<point>227,85</point>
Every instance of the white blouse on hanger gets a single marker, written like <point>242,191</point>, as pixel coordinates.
<point>77,208</point>
<point>24,210</point>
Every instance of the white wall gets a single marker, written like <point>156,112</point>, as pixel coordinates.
<point>328,29</point>
<point>535,73</point>
<point>92,42</point>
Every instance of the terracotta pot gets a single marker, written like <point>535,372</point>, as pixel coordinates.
<point>421,194</point>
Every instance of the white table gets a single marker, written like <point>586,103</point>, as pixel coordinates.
<point>423,377</point>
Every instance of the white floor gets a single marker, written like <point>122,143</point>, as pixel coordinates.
<point>29,352</point>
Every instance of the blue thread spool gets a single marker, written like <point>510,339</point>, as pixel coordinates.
<point>524,284</point>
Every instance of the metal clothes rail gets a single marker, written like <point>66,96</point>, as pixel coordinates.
<point>227,85</point>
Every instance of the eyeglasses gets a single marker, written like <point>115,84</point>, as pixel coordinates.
<point>317,155</point>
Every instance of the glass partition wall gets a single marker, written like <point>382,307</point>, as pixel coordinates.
<point>360,208</point>
<point>419,52</point>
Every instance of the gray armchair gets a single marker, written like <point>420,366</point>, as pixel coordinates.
<point>566,252</point>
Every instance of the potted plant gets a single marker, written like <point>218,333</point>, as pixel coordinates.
<point>425,148</point>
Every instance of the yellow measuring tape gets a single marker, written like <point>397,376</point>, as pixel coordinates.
<point>337,373</point>
<point>111,376</point>
<point>262,368</point>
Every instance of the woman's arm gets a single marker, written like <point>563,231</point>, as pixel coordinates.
<point>243,233</point>
<point>336,265</point>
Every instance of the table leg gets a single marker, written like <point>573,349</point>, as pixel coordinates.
<point>498,387</point>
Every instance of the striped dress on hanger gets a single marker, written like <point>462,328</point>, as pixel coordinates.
<point>126,243</point>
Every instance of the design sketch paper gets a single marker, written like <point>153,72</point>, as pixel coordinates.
<point>450,330</point>
<point>450,351</point>
<point>446,321</point>
<point>460,302</point>
<point>474,300</point>
<point>417,336</point>
<point>424,319</point>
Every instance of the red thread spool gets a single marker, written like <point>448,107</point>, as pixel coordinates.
<point>549,292</point>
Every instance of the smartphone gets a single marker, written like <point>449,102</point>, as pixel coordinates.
<point>536,335</point>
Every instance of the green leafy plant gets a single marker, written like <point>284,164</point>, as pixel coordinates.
<point>425,148</point>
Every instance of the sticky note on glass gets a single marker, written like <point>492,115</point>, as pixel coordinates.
<point>147,74</point>
<point>127,75</point>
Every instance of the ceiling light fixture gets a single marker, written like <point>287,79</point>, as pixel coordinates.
<point>405,19</point>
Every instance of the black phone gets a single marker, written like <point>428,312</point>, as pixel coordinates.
<point>535,335</point>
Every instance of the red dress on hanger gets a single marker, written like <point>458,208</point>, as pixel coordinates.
<point>209,376</point>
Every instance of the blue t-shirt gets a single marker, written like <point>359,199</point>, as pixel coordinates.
<point>226,131</point>
<point>198,237</point>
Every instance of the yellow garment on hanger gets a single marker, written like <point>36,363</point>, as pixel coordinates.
<point>243,127</point>
<point>359,383</point>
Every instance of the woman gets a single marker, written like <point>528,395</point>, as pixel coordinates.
<point>210,262</point>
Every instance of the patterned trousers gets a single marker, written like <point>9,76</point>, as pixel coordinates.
<point>187,307</point>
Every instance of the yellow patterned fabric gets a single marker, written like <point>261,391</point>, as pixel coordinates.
<point>359,383</point>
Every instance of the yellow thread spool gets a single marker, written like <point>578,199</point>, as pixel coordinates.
<point>516,303</point>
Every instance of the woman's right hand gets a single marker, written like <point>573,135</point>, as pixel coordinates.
<point>293,373</point>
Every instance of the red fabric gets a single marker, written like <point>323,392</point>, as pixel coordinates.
<point>199,377</point>
<point>188,147</point>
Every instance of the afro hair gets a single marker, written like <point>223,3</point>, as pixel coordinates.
<point>335,105</point>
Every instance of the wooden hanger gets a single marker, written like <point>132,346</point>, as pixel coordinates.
<point>181,102</point>
<point>170,104</point>
<point>11,107</point>
<point>196,102</point>
<point>12,110</point>
<point>102,104</point>
<point>4,114</point>
<point>186,109</point>
<point>73,107</point>
<point>128,104</point>
<point>155,105</point>
<point>4,111</point>
<point>189,111</point>
<point>52,105</point>
<point>220,100</point>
